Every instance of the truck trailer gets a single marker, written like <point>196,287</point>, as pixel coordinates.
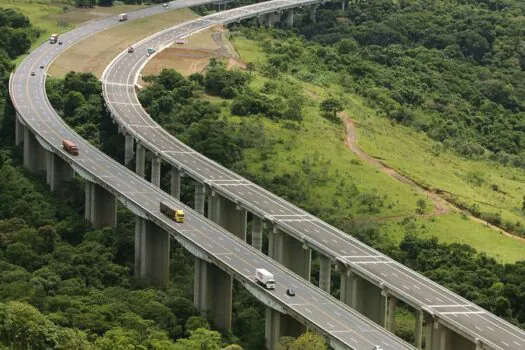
<point>123,17</point>
<point>70,147</point>
<point>265,278</point>
<point>173,213</point>
<point>53,38</point>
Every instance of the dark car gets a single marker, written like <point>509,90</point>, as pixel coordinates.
<point>60,43</point>
<point>33,73</point>
<point>41,66</point>
<point>290,292</point>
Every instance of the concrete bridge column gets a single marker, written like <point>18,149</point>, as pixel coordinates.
<point>100,206</point>
<point>128,149</point>
<point>175,183</point>
<point>58,171</point>
<point>19,131</point>
<point>34,153</point>
<point>227,214</point>
<point>290,252</point>
<point>269,19</point>
<point>440,337</point>
<point>313,12</point>
<point>343,5</point>
<point>257,229</point>
<point>391,313</point>
<point>212,293</point>
<point>141,160</point>
<point>325,270</point>
<point>289,18</point>
<point>155,170</point>
<point>363,296</point>
<point>279,325</point>
<point>152,253</point>
<point>418,334</point>
<point>200,192</point>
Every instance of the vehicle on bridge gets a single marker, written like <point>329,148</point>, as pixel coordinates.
<point>123,17</point>
<point>265,278</point>
<point>131,49</point>
<point>174,214</point>
<point>150,50</point>
<point>70,147</point>
<point>53,38</point>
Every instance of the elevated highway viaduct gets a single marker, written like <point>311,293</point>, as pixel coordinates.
<point>220,255</point>
<point>371,282</point>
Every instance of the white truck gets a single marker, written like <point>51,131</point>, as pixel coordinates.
<point>53,38</point>
<point>123,17</point>
<point>265,278</point>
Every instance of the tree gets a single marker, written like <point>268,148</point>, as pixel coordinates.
<point>330,107</point>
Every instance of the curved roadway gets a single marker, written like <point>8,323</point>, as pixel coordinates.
<point>119,79</point>
<point>342,325</point>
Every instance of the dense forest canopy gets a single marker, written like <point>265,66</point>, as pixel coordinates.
<point>454,69</point>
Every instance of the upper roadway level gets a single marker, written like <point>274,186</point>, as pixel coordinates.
<point>344,327</point>
<point>459,314</point>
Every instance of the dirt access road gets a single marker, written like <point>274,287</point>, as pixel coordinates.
<point>441,205</point>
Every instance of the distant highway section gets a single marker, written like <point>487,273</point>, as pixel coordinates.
<point>344,327</point>
<point>119,80</point>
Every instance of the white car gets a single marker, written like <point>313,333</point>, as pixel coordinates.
<point>378,347</point>
<point>165,5</point>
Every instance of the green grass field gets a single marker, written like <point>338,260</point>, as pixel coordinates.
<point>412,153</point>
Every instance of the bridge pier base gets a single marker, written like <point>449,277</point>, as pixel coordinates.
<point>140,162</point>
<point>175,183</point>
<point>128,149</point>
<point>289,18</point>
<point>100,206</point>
<point>418,334</point>
<point>34,153</point>
<point>19,131</point>
<point>257,229</point>
<point>363,296</point>
<point>58,171</point>
<point>278,325</point>
<point>155,170</point>
<point>212,293</point>
<point>290,252</point>
<point>325,271</point>
<point>152,253</point>
<point>228,215</point>
<point>200,194</point>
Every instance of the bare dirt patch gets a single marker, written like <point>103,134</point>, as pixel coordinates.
<point>94,53</point>
<point>441,204</point>
<point>195,54</point>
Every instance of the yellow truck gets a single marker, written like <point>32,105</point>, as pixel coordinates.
<point>173,213</point>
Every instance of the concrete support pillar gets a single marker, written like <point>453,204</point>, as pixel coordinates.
<point>155,170</point>
<point>152,253</point>
<point>363,296</point>
<point>343,5</point>
<point>19,131</point>
<point>212,293</point>
<point>290,252</point>
<point>289,18</point>
<point>140,161</point>
<point>100,206</point>
<point>257,229</point>
<point>228,215</point>
<point>429,331</point>
<point>269,19</point>
<point>313,11</point>
<point>348,291</point>
<point>34,154</point>
<point>391,313</point>
<point>324,273</point>
<point>128,149</point>
<point>200,192</point>
<point>440,337</point>
<point>175,183</point>
<point>418,334</point>
<point>279,325</point>
<point>58,171</point>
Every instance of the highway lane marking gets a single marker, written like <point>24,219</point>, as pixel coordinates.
<point>123,103</point>
<point>461,313</point>
<point>451,305</point>
<point>507,345</point>
<point>331,325</point>
<point>118,84</point>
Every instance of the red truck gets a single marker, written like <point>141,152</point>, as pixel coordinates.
<point>70,147</point>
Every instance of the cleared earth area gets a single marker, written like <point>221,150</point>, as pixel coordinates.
<point>94,53</point>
